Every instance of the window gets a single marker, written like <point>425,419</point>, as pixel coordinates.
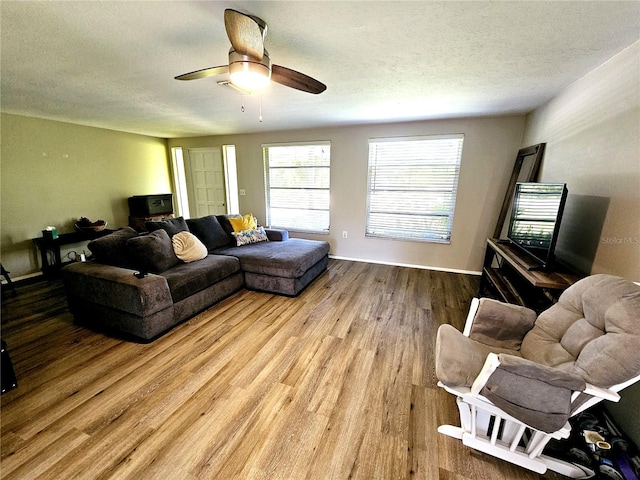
<point>412,187</point>
<point>297,186</point>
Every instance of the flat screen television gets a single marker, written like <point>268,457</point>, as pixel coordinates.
<point>536,213</point>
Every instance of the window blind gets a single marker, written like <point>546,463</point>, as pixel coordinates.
<point>297,180</point>
<point>412,184</point>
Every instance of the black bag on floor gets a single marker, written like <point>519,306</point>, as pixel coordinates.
<point>8,378</point>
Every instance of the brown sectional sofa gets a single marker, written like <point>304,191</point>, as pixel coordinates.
<point>137,286</point>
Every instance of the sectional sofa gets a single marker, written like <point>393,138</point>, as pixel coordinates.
<point>142,284</point>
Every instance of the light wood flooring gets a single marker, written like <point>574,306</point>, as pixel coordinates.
<point>337,383</point>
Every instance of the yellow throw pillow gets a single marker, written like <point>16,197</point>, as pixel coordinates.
<point>246,222</point>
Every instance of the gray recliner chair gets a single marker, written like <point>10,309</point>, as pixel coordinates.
<point>519,377</point>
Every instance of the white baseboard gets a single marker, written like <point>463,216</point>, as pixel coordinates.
<point>23,277</point>
<point>395,264</point>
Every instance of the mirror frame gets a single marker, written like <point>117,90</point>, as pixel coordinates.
<point>525,169</point>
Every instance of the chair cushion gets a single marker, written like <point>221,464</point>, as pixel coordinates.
<point>501,324</point>
<point>459,359</point>
<point>535,394</point>
<point>593,331</point>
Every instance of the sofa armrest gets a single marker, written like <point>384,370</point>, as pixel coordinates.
<point>116,288</point>
<point>277,234</point>
<point>501,324</point>
<point>535,394</point>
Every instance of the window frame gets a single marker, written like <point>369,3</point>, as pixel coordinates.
<point>268,188</point>
<point>373,228</point>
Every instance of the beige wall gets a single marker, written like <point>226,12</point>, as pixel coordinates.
<point>592,130</point>
<point>490,147</point>
<point>54,172</point>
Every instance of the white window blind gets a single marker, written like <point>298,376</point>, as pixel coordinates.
<point>297,185</point>
<point>412,187</point>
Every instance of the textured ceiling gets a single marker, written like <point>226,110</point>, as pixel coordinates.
<point>111,64</point>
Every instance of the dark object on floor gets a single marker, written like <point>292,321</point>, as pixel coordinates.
<point>5,274</point>
<point>8,379</point>
<point>615,457</point>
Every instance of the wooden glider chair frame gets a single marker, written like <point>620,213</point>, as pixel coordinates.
<point>539,354</point>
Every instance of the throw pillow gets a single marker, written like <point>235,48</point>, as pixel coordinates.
<point>226,225</point>
<point>246,222</point>
<point>254,235</point>
<point>187,247</point>
<point>112,249</point>
<point>209,231</point>
<point>153,252</point>
<point>170,225</point>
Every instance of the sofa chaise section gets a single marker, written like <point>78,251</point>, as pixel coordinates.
<point>283,267</point>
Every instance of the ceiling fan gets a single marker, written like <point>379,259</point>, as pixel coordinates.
<point>249,66</point>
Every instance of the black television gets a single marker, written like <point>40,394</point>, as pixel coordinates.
<point>534,224</point>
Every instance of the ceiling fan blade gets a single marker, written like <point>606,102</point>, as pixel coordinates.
<point>290,78</point>
<point>205,72</point>
<point>246,33</point>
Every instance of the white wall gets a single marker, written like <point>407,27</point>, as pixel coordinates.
<point>490,148</point>
<point>592,130</point>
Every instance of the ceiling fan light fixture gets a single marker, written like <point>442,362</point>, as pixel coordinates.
<point>250,67</point>
<point>247,73</point>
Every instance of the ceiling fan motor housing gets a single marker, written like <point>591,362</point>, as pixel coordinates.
<point>248,72</point>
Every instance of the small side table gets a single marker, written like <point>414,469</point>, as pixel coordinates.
<point>45,245</point>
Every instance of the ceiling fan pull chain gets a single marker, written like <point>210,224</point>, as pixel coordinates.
<point>242,103</point>
<point>260,117</point>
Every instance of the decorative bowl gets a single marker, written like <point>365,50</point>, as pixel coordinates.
<point>91,227</point>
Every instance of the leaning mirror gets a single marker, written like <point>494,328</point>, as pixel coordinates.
<point>525,170</point>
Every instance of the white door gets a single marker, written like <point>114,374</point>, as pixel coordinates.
<point>206,189</point>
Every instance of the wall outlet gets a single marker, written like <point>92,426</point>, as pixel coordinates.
<point>344,234</point>
<point>243,191</point>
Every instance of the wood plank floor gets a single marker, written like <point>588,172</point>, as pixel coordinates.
<point>337,383</point>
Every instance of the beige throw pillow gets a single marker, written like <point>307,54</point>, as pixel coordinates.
<point>187,247</point>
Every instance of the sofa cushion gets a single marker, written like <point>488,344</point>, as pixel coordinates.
<point>153,252</point>
<point>277,234</point>
<point>226,224</point>
<point>169,225</point>
<point>209,231</point>
<point>245,222</point>
<point>290,259</point>
<point>186,279</point>
<point>284,286</point>
<point>187,247</point>
<point>112,249</point>
<point>253,235</point>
